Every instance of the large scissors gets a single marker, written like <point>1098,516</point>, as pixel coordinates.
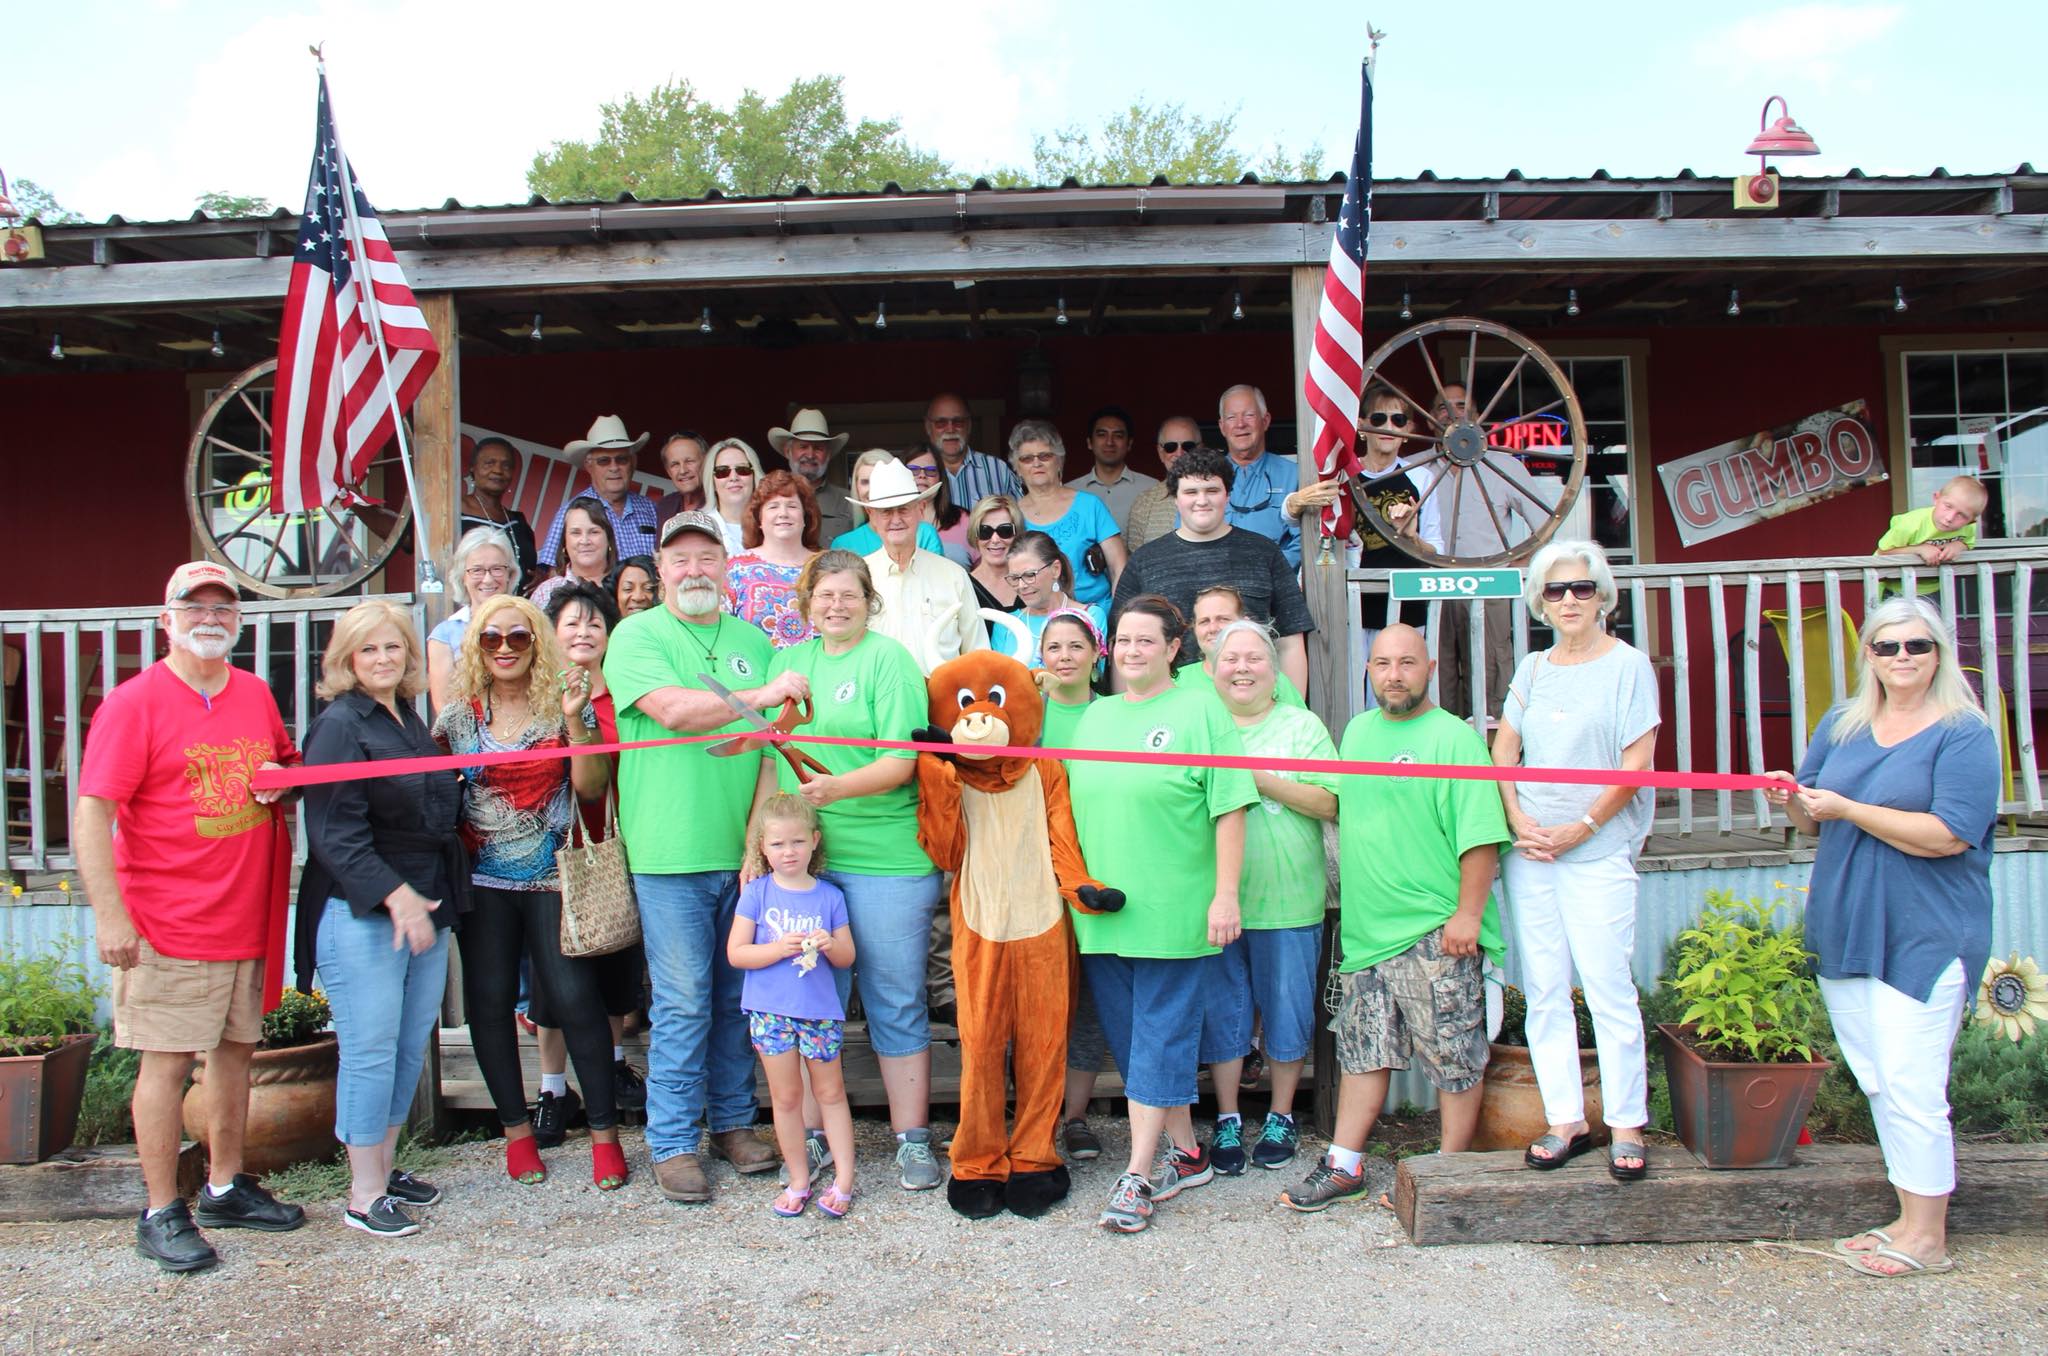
<point>793,714</point>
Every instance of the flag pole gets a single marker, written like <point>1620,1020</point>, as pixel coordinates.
<point>423,559</point>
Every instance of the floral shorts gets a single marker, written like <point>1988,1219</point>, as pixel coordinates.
<point>816,1038</point>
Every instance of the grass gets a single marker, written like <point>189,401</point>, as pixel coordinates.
<point>327,1179</point>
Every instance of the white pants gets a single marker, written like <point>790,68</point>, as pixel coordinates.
<point>1898,1048</point>
<point>1580,914</point>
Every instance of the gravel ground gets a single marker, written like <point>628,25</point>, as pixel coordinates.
<point>562,1267</point>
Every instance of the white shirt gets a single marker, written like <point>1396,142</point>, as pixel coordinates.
<point>928,606</point>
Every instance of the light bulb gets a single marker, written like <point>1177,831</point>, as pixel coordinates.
<point>1571,301</point>
<point>1237,305</point>
<point>1406,314</point>
<point>1061,318</point>
<point>534,334</point>
<point>881,315</point>
<point>1734,302</point>
<point>1898,297</point>
<point>57,347</point>
<point>704,321</point>
<point>217,350</point>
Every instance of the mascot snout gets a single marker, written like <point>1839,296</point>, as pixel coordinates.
<point>980,725</point>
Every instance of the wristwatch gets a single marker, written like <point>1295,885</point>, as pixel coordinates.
<point>1590,822</point>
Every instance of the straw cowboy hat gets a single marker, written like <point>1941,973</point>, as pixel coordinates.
<point>890,485</point>
<point>607,433</point>
<point>809,425</point>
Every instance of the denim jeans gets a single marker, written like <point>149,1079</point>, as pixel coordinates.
<point>386,1004</point>
<point>699,1061</point>
<point>1151,1013</point>
<point>891,920</point>
<point>1268,970</point>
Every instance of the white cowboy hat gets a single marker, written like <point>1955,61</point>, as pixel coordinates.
<point>608,432</point>
<point>890,485</point>
<point>809,425</point>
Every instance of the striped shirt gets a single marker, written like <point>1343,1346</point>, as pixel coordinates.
<point>980,476</point>
<point>633,530</point>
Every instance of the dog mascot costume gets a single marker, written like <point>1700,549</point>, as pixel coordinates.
<point>1004,827</point>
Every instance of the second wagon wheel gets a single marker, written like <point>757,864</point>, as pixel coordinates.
<point>1470,456</point>
<point>327,551</point>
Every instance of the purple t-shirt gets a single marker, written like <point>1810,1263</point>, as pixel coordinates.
<point>775,912</point>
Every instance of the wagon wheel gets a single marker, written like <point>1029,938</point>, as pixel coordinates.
<point>1463,456</point>
<point>274,555</point>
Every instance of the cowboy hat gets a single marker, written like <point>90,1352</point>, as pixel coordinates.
<point>890,485</point>
<point>607,432</point>
<point>809,425</point>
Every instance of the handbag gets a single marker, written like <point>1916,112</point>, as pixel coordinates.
<point>599,915</point>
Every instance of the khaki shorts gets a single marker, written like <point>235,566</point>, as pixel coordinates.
<point>1420,1002</point>
<point>187,1006</point>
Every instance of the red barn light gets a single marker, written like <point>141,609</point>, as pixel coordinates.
<point>1783,137</point>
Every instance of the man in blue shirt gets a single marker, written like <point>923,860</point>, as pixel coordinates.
<point>970,476</point>
<point>609,457</point>
<point>1258,494</point>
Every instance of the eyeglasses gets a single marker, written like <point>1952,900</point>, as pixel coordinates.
<point>208,611</point>
<point>1886,649</point>
<point>924,472</point>
<point>614,459</point>
<point>1398,418</point>
<point>723,472</point>
<point>518,642</point>
<point>1581,589</point>
<point>1023,577</point>
<point>948,421</point>
<point>486,571</point>
<point>1003,530</point>
<point>1034,458</point>
<point>1188,446</point>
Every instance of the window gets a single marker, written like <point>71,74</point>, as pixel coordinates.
<point>1985,414</point>
<point>1602,385</point>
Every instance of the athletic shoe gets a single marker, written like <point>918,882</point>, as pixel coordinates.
<point>551,1116</point>
<point>1279,1140</point>
<point>1226,1147</point>
<point>1181,1170</point>
<point>1130,1205</point>
<point>1079,1141</point>
<point>1324,1186</point>
<point>170,1239</point>
<point>246,1206</point>
<point>815,1149</point>
<point>407,1189</point>
<point>385,1218</point>
<point>629,1087</point>
<point>916,1166</point>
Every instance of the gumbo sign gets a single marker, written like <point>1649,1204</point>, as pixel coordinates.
<point>1731,486</point>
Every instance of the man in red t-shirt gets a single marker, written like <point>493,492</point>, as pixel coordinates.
<point>180,860</point>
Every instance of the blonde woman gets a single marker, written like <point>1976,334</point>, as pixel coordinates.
<point>735,471</point>
<point>514,689</point>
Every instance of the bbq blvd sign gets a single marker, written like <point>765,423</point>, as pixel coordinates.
<point>1429,586</point>
<point>1793,466</point>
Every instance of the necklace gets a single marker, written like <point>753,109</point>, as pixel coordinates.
<point>710,652</point>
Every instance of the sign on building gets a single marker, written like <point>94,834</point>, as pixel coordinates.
<point>1428,586</point>
<point>1715,492</point>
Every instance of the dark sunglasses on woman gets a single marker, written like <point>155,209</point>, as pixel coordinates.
<point>1003,530</point>
<point>1886,649</point>
<point>1581,589</point>
<point>722,472</point>
<point>1398,418</point>
<point>518,642</point>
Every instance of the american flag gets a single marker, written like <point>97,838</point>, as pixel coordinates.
<point>333,407</point>
<point>1336,364</point>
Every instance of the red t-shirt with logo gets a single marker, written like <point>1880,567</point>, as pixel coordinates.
<point>192,848</point>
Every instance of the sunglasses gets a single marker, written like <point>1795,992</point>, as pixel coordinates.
<point>518,642</point>
<point>924,472</point>
<point>1003,530</point>
<point>1398,418</point>
<point>619,459</point>
<point>722,472</point>
<point>1581,589</point>
<point>1886,649</point>
<point>1180,447</point>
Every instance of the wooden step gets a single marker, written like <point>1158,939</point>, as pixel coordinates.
<point>98,1183</point>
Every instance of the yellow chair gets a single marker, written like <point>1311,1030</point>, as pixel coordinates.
<point>1813,639</point>
<point>1994,707</point>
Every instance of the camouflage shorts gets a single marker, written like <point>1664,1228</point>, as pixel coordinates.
<point>1420,1002</point>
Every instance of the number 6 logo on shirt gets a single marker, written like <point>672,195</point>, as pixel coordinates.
<point>739,665</point>
<point>1158,738</point>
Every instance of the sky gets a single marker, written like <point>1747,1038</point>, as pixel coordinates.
<point>138,107</point>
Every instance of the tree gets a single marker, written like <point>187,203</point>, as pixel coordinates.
<point>672,144</point>
<point>33,201</point>
<point>1146,140</point>
<point>219,204</point>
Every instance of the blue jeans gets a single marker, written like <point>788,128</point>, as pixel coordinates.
<point>1151,1014</point>
<point>1268,970</point>
<point>699,1062</point>
<point>891,919</point>
<point>386,1004</point>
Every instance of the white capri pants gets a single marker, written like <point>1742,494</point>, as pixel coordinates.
<point>1898,1048</point>
<point>1580,914</point>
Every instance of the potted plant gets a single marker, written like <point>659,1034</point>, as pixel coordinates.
<point>48,1011</point>
<point>1741,1071</point>
<point>291,1087</point>
<point>1511,1114</point>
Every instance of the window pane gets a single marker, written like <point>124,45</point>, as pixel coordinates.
<point>2026,376</point>
<point>1980,382</point>
<point>1599,387</point>
<point>1931,384</point>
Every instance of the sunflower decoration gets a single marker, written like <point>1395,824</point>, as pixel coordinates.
<point>2013,997</point>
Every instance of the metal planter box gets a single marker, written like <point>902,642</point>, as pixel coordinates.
<point>39,1100</point>
<point>1737,1115</point>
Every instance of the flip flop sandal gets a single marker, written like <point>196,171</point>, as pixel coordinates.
<point>790,1203</point>
<point>834,1203</point>
<point>1913,1265</point>
<point>1620,1149</point>
<point>1560,1151</point>
<point>1884,1240</point>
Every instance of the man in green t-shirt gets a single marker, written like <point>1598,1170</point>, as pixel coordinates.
<point>1417,858</point>
<point>683,815</point>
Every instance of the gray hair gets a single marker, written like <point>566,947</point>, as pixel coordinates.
<point>1258,398</point>
<point>1247,626</point>
<point>1036,431</point>
<point>1587,553</point>
<point>474,540</point>
<point>1949,695</point>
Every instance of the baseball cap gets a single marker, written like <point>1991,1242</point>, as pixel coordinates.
<point>196,574</point>
<point>692,520</point>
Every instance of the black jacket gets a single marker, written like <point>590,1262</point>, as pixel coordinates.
<point>367,836</point>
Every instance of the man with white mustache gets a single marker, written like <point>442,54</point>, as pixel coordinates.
<point>188,902</point>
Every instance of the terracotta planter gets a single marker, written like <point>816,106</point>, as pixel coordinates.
<point>291,1106</point>
<point>1511,1113</point>
<point>1737,1115</point>
<point>39,1100</point>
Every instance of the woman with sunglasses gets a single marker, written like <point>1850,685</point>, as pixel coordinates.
<point>1589,701</point>
<point>735,470</point>
<point>515,689</point>
<point>589,551</point>
<point>1079,523</point>
<point>948,519</point>
<point>993,526</point>
<point>1043,578</point>
<point>1900,783</point>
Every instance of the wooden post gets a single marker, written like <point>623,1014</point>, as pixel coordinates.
<point>437,451</point>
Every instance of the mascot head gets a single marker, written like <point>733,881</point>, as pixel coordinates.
<point>985,699</point>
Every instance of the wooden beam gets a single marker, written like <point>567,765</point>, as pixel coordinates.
<point>98,1183</point>
<point>829,304</point>
<point>1093,324</point>
<point>437,450</point>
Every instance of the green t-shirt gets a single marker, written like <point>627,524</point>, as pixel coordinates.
<point>1148,829</point>
<point>1915,527</point>
<point>680,809</point>
<point>1196,678</point>
<point>873,691</point>
<point>1284,884</point>
<point>1400,838</point>
<point>1060,721</point>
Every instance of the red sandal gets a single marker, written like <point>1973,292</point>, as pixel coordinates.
<point>522,1161</point>
<point>607,1166</point>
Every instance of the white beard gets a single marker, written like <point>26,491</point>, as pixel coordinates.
<point>216,645</point>
<point>697,597</point>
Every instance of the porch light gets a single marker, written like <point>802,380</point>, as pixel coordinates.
<point>217,350</point>
<point>57,347</point>
<point>1899,297</point>
<point>1571,301</point>
<point>1237,305</point>
<point>1406,314</point>
<point>881,315</point>
<point>1734,302</point>
<point>704,321</point>
<point>534,334</point>
<point>1783,137</point>
<point>1061,317</point>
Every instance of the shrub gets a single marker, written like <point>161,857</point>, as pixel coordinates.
<point>104,1116</point>
<point>298,1019</point>
<point>1998,1089</point>
<point>43,999</point>
<point>1747,985</point>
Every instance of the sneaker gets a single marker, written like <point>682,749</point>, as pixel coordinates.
<point>1226,1147</point>
<point>385,1218</point>
<point>815,1149</point>
<point>1322,1188</point>
<point>551,1116</point>
<point>1278,1141</point>
<point>170,1239</point>
<point>917,1167</point>
<point>1079,1141</point>
<point>246,1206</point>
<point>629,1087</point>
<point>407,1189</point>
<point>1130,1205</point>
<point>1182,1170</point>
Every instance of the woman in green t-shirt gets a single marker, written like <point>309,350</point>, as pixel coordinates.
<point>1170,836</point>
<point>1271,969</point>
<point>864,685</point>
